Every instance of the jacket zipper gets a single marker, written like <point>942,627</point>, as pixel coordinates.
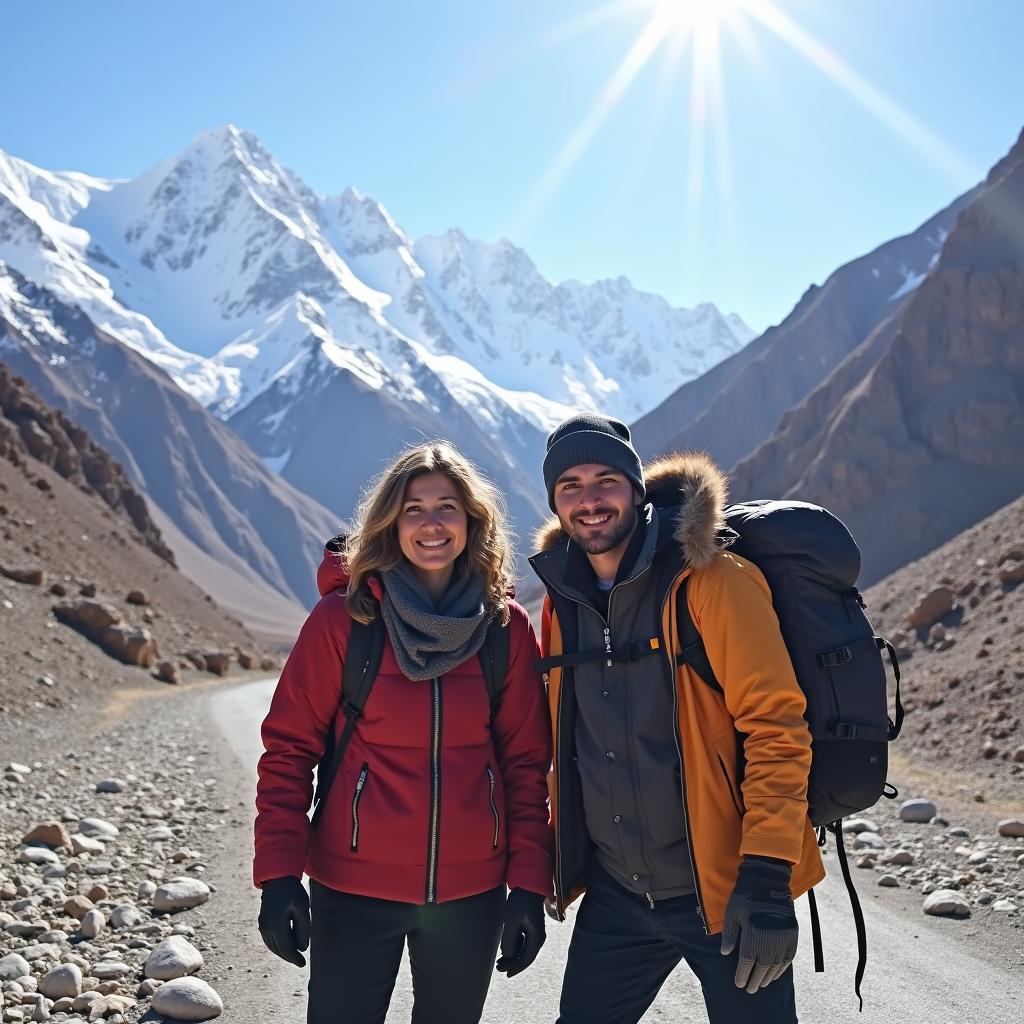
<point>670,650</point>
<point>435,791</point>
<point>494,806</point>
<point>356,797</point>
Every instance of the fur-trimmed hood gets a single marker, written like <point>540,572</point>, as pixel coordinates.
<point>691,486</point>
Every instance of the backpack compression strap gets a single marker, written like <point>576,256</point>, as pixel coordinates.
<point>362,662</point>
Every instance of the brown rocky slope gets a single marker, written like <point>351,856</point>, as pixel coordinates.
<point>77,541</point>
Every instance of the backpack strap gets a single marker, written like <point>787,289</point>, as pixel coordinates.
<point>819,953</point>
<point>691,643</point>
<point>836,828</point>
<point>494,658</point>
<point>362,662</point>
<point>615,655</point>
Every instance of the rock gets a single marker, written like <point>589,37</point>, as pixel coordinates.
<point>97,892</point>
<point>18,769</point>
<point>1011,571</point>
<point>146,890</point>
<point>859,825</point>
<point>167,672</point>
<point>131,645</point>
<point>30,576</point>
<point>867,860</point>
<point>40,951</point>
<point>187,999</point>
<point>111,786</point>
<point>918,811</point>
<point>62,982</point>
<point>97,828</point>
<point>92,924</point>
<point>158,834</point>
<point>989,750</point>
<point>175,957</point>
<point>931,607</point>
<point>137,597</point>
<point>1018,755</point>
<point>63,1006</point>
<point>78,906</point>
<point>180,894</point>
<point>147,988</point>
<point>13,967</point>
<point>87,616</point>
<point>246,660</point>
<point>979,857</point>
<point>49,833</point>
<point>109,970</point>
<point>217,662</point>
<point>86,1001</point>
<point>127,915</point>
<point>83,844</point>
<point>946,902</point>
<point>869,841</point>
<point>1004,906</point>
<point>985,897</point>
<point>267,664</point>
<point>196,658</point>
<point>1012,828</point>
<point>37,855</point>
<point>889,881</point>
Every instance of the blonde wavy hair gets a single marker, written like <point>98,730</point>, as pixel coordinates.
<point>372,546</point>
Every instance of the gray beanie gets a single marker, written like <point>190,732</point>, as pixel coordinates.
<point>590,438</point>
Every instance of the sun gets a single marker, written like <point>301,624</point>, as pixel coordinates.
<point>699,17</point>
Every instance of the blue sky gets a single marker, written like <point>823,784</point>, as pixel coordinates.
<point>829,138</point>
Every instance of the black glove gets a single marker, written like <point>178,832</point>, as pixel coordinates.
<point>522,933</point>
<point>284,918</point>
<point>761,917</point>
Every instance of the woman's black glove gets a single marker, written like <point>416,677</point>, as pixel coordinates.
<point>284,918</point>
<point>522,933</point>
<point>760,917</point>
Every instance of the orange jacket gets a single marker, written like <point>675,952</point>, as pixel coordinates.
<point>731,606</point>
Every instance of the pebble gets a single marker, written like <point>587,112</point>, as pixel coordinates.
<point>889,881</point>
<point>896,857</point>
<point>109,970</point>
<point>84,844</point>
<point>40,951</point>
<point>1012,828</point>
<point>187,999</point>
<point>98,828</point>
<point>37,855</point>
<point>18,769</point>
<point>111,786</point>
<point>127,915</point>
<point>918,810</point>
<point>859,825</point>
<point>869,841</point>
<point>180,894</point>
<point>175,957</point>
<point>146,889</point>
<point>1004,906</point>
<point>946,903</point>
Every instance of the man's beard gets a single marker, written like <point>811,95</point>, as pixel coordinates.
<point>601,543</point>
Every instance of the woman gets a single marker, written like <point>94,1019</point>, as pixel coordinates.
<point>440,798</point>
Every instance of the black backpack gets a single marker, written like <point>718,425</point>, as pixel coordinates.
<point>362,663</point>
<point>811,563</point>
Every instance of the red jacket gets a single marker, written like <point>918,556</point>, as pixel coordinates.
<point>374,837</point>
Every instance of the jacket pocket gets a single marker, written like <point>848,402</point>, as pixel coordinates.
<point>730,785</point>
<point>356,797</point>
<point>494,805</point>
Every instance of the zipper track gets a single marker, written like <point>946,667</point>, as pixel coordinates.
<point>494,805</point>
<point>435,791</point>
<point>356,797</point>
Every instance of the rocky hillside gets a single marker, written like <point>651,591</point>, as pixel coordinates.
<point>956,618</point>
<point>90,599</point>
<point>921,428</point>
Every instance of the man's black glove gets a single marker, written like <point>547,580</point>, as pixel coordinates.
<point>284,918</point>
<point>760,917</point>
<point>522,933</point>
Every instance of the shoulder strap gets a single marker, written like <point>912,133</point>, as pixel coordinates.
<point>691,643</point>
<point>362,663</point>
<point>494,658</point>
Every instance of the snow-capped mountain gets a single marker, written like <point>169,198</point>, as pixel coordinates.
<point>255,294</point>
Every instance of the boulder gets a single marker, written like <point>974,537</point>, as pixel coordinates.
<point>217,662</point>
<point>48,833</point>
<point>87,616</point>
<point>180,894</point>
<point>13,966</point>
<point>931,607</point>
<point>62,982</point>
<point>131,645</point>
<point>946,903</point>
<point>187,999</point>
<point>32,577</point>
<point>918,810</point>
<point>175,957</point>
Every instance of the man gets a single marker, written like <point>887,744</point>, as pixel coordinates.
<point>680,809</point>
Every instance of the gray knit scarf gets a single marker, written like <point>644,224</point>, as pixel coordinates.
<point>430,640</point>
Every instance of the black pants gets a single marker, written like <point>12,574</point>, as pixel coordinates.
<point>355,952</point>
<point>622,951</point>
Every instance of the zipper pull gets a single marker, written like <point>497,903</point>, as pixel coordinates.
<point>608,645</point>
<point>650,899</point>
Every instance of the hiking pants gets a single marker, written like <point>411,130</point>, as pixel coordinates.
<point>355,951</point>
<point>622,951</point>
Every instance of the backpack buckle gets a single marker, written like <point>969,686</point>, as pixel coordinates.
<point>833,659</point>
<point>349,710</point>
